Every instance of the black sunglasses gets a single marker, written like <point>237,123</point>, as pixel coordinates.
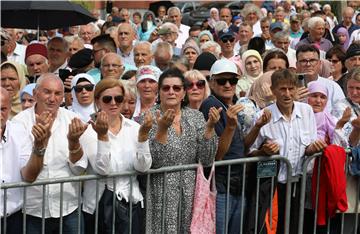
<point>226,39</point>
<point>223,81</point>
<point>79,88</point>
<point>200,84</point>
<point>176,88</point>
<point>118,99</point>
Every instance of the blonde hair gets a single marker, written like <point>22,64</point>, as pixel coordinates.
<point>197,75</point>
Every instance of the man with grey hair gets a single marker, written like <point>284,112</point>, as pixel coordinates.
<point>126,36</point>
<point>169,32</point>
<point>163,54</point>
<point>88,32</point>
<point>174,14</point>
<point>281,40</point>
<point>211,47</point>
<point>252,16</point>
<point>111,66</point>
<point>56,158</point>
<point>143,54</point>
<point>58,54</point>
<point>316,27</point>
<point>347,15</point>
<point>75,43</point>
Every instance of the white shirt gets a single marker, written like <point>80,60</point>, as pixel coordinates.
<point>257,28</point>
<point>183,35</point>
<point>292,136</point>
<point>291,54</point>
<point>355,36</point>
<point>56,165</point>
<point>15,150</point>
<point>18,55</point>
<point>335,92</point>
<point>122,153</point>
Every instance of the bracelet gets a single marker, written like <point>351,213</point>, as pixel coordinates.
<point>75,150</point>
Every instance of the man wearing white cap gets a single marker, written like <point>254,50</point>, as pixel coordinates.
<point>223,80</point>
<point>147,83</point>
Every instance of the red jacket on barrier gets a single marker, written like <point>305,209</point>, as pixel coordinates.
<point>332,187</point>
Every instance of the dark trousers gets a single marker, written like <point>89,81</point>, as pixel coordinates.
<point>70,224</point>
<point>122,216</point>
<point>294,210</point>
<point>14,223</point>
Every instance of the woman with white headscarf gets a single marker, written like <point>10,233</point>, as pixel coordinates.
<point>82,92</point>
<point>252,68</point>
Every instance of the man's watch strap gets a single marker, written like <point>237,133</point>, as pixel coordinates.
<point>39,152</point>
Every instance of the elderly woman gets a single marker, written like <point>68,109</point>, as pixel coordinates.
<point>27,96</point>
<point>197,88</point>
<point>128,106</point>
<point>336,56</point>
<point>214,17</point>
<point>148,25</point>
<point>190,51</point>
<point>113,144</point>
<point>351,128</point>
<point>205,36</point>
<point>13,80</point>
<point>252,67</point>
<point>82,93</point>
<point>179,136</point>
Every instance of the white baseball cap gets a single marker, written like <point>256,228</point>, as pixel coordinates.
<point>223,66</point>
<point>147,72</point>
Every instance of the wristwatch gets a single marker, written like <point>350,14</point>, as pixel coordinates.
<point>39,152</point>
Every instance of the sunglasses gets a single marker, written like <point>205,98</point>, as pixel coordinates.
<point>200,84</point>
<point>226,39</point>
<point>118,99</point>
<point>176,88</point>
<point>80,88</point>
<point>223,81</point>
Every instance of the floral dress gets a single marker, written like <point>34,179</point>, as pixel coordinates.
<point>187,148</point>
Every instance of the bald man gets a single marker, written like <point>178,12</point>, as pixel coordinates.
<point>56,157</point>
<point>347,15</point>
<point>17,162</point>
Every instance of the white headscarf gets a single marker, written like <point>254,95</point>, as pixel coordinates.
<point>83,111</point>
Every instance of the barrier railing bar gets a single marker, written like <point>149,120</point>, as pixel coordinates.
<point>242,199</point>
<point>227,199</point>
<point>257,203</point>
<point>43,210</point>
<point>61,207</point>
<point>114,206</point>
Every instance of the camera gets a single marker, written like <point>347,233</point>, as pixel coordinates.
<point>301,80</point>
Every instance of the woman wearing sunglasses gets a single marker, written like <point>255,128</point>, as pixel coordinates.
<point>179,136</point>
<point>82,93</point>
<point>113,144</point>
<point>197,88</point>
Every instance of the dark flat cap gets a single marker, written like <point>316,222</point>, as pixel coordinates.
<point>353,50</point>
<point>204,61</point>
<point>81,59</point>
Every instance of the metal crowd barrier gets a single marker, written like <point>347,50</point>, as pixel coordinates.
<point>328,228</point>
<point>165,170</point>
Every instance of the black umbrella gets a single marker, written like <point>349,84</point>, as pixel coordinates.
<point>44,15</point>
<point>154,6</point>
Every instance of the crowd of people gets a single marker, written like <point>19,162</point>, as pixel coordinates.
<point>135,91</point>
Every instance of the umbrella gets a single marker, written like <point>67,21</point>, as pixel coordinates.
<point>44,15</point>
<point>154,6</point>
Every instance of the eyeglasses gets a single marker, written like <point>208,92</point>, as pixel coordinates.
<point>200,84</point>
<point>118,99</point>
<point>312,62</point>
<point>334,60</point>
<point>176,88</point>
<point>223,81</point>
<point>80,88</point>
<point>107,66</point>
<point>226,39</point>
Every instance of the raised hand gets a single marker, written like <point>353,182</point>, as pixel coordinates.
<point>42,129</point>
<point>214,116</point>
<point>344,118</point>
<point>264,118</point>
<point>356,123</point>
<point>165,121</point>
<point>76,129</point>
<point>145,127</point>
<point>232,115</point>
<point>302,93</point>
<point>101,125</point>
